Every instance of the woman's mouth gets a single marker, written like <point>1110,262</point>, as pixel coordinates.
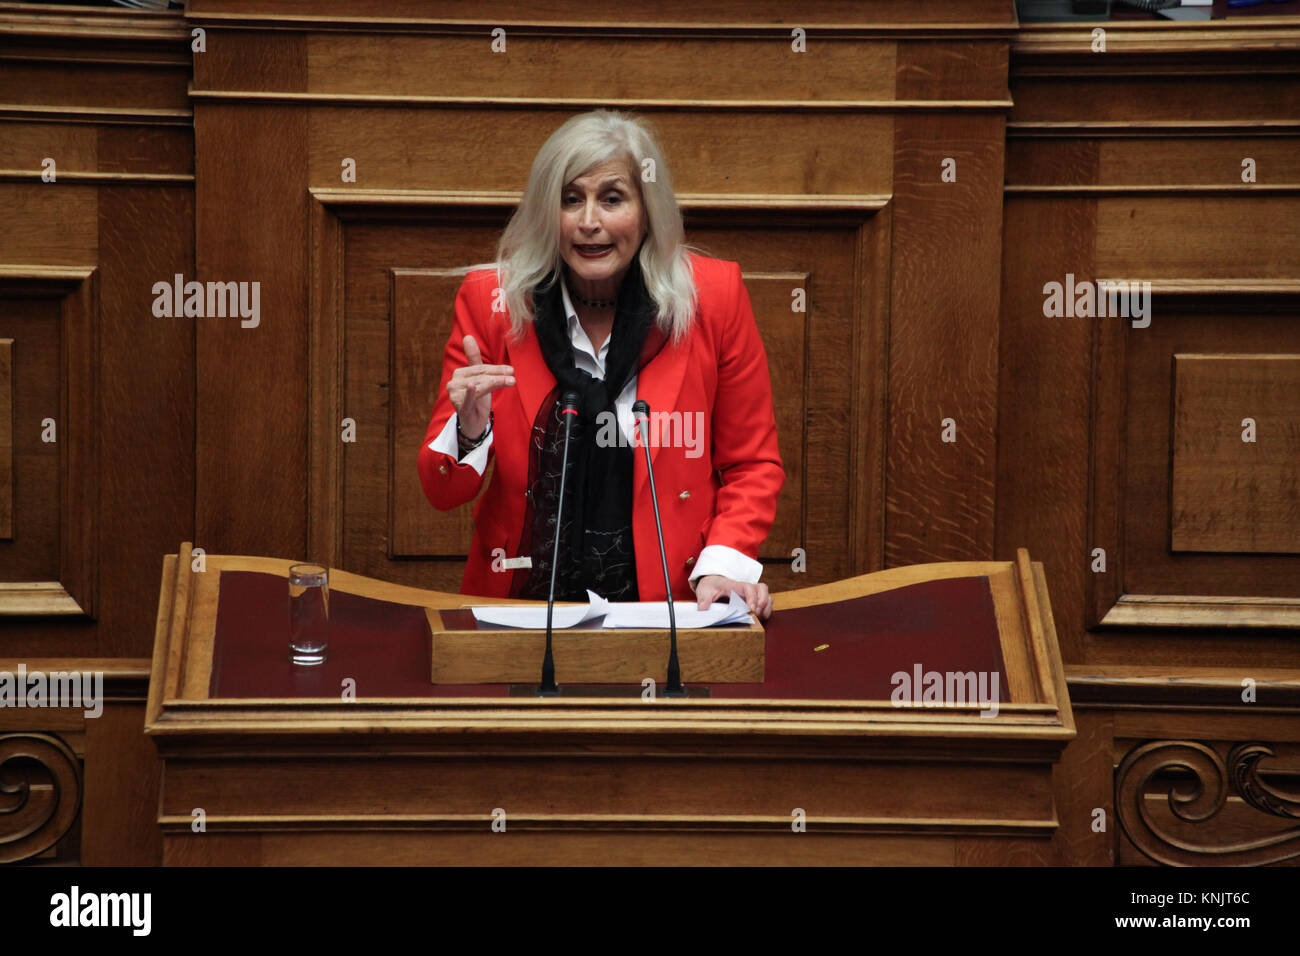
<point>592,252</point>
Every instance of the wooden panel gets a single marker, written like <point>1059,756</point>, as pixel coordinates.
<point>531,848</point>
<point>1149,566</point>
<point>786,338</point>
<point>421,325</point>
<point>25,145</point>
<point>951,69</point>
<point>760,153</point>
<point>146,371</point>
<point>1238,237</point>
<point>1230,494</point>
<point>6,439</point>
<point>943,339</point>
<point>658,14</point>
<point>93,85</point>
<point>123,777</point>
<point>741,68</point>
<point>1179,96</point>
<point>29,211</point>
<point>252,427</point>
<point>32,551</point>
<point>1043,418</point>
<point>1164,164</point>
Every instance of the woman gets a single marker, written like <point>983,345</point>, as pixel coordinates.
<point>594,291</point>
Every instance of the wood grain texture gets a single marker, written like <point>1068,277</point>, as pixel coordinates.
<point>622,656</point>
<point>123,776</point>
<point>252,428</point>
<point>1230,494</point>
<point>773,153</point>
<point>146,371</point>
<point>972,15</point>
<point>943,339</point>
<point>6,439</point>
<point>286,772</point>
<point>742,68</point>
<point>421,319</point>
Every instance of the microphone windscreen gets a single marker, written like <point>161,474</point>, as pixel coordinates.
<point>641,407</point>
<point>570,401</point>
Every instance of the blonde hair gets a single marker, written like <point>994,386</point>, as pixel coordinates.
<point>528,252</point>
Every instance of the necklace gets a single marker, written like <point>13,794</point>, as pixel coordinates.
<point>594,303</point>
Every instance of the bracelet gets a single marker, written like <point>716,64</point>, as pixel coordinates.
<point>469,444</point>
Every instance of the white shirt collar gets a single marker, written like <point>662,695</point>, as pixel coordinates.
<point>577,334</point>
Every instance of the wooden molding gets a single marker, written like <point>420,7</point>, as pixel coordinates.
<point>49,794</point>
<point>6,440</point>
<point>96,115</point>
<point>580,103</point>
<point>98,25</point>
<point>325,371</point>
<point>75,590</point>
<point>1123,686</point>
<point>1107,604</point>
<point>1054,42</point>
<point>1157,826</point>
<point>1095,129</point>
<point>1162,610</point>
<point>99,179</point>
<point>1155,189</point>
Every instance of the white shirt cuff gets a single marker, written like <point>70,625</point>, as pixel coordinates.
<point>447,444</point>
<point>730,563</point>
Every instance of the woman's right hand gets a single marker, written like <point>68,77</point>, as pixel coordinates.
<point>471,388</point>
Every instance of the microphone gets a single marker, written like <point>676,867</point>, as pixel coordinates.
<point>569,409</point>
<point>674,689</point>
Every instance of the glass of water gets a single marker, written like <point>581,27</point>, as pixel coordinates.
<point>309,613</point>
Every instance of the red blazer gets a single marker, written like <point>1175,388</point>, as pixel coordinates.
<point>726,496</point>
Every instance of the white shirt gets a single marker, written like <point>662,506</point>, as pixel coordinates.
<point>715,558</point>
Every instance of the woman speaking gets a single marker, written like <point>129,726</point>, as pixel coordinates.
<point>595,291</point>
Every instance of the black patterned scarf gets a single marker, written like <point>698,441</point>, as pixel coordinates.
<point>596,547</point>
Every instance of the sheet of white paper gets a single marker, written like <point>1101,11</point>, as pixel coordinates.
<point>534,616</point>
<point>655,613</point>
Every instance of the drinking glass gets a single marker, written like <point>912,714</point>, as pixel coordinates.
<point>309,613</point>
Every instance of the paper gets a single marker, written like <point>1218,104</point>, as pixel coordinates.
<point>616,614</point>
<point>532,616</point>
<point>655,613</point>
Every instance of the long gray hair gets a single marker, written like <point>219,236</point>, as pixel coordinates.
<point>529,249</point>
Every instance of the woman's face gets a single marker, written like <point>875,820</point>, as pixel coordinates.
<point>602,223</point>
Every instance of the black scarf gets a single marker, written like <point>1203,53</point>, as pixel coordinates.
<point>596,546</point>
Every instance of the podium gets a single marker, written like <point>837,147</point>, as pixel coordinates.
<point>910,716</point>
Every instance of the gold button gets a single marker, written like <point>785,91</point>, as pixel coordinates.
<point>684,495</point>
<point>689,562</point>
<point>443,469</point>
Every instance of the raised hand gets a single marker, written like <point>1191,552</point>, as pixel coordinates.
<point>470,388</point>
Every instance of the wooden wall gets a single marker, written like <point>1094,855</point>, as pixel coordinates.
<point>220,157</point>
<point>1123,440</point>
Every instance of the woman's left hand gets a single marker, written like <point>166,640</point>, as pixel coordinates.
<point>713,587</point>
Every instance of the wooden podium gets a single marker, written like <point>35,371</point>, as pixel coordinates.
<point>841,755</point>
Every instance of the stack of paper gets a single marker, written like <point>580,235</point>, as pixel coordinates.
<point>641,614</point>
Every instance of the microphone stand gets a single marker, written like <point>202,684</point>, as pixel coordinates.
<point>548,687</point>
<point>674,689</point>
